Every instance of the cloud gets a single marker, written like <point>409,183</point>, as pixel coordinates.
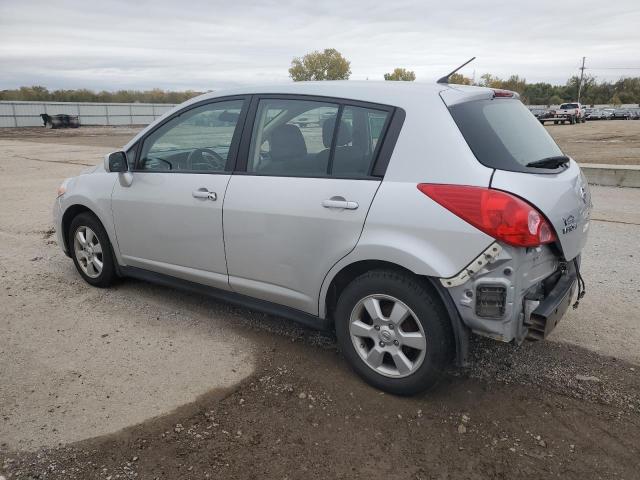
<point>206,45</point>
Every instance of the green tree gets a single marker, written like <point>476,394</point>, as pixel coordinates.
<point>326,65</point>
<point>401,74</point>
<point>37,93</point>
<point>488,80</point>
<point>615,100</point>
<point>538,93</point>
<point>459,79</point>
<point>515,84</point>
<point>555,100</point>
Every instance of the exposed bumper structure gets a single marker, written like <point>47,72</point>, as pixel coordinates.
<point>547,313</point>
<point>510,293</point>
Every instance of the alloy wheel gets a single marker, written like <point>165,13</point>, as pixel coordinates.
<point>88,251</point>
<point>387,335</point>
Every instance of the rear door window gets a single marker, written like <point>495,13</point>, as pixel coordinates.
<point>289,138</point>
<point>356,145</point>
<point>302,137</point>
<point>503,134</point>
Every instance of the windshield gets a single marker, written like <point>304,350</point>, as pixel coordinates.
<point>503,134</point>
<point>567,106</point>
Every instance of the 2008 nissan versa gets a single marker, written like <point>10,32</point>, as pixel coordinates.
<point>406,216</point>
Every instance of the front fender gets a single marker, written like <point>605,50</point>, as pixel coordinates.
<point>93,192</point>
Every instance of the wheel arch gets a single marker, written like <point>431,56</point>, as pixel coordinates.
<point>353,270</point>
<point>73,211</point>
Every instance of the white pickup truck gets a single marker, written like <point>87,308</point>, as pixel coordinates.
<point>568,112</point>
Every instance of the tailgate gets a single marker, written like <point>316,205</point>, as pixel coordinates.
<point>563,197</point>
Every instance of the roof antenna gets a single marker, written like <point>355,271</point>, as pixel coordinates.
<point>445,79</point>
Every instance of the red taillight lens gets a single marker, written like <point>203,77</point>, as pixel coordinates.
<point>498,214</point>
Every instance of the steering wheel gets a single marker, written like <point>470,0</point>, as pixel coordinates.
<point>219,162</point>
<point>153,163</point>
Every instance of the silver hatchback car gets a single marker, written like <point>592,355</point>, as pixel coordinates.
<point>405,216</point>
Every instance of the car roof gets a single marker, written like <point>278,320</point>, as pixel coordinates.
<point>397,94</point>
<point>401,94</point>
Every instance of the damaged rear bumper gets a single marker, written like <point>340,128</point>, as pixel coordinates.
<point>542,319</point>
<point>513,294</point>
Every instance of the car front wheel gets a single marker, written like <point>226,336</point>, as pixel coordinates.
<point>91,250</point>
<point>393,331</point>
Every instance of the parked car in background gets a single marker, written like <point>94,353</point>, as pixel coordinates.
<point>635,113</point>
<point>607,113</point>
<point>574,110</point>
<point>621,114</point>
<point>541,113</point>
<point>356,223</point>
<point>594,114</point>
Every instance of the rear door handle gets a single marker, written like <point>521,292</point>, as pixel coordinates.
<point>204,194</point>
<point>339,202</point>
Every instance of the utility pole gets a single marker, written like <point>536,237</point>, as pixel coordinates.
<point>581,77</point>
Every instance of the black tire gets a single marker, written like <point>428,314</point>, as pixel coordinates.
<point>429,312</point>
<point>108,274</point>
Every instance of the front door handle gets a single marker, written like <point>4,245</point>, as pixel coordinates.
<point>204,194</point>
<point>339,202</point>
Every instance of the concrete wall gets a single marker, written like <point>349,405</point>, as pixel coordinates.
<point>27,114</point>
<point>612,175</point>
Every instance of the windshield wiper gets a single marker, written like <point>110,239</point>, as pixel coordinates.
<point>550,162</point>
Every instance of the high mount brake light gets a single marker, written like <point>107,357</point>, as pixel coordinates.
<point>498,214</point>
<point>502,94</point>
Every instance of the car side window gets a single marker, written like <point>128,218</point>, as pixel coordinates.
<point>289,138</point>
<point>198,140</point>
<point>359,133</point>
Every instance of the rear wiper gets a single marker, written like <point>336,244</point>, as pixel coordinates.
<point>550,162</point>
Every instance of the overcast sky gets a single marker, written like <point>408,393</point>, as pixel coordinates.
<point>205,45</point>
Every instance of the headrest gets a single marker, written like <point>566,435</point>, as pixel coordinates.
<point>287,142</point>
<point>345,132</point>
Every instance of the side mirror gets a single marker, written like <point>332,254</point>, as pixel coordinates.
<point>116,162</point>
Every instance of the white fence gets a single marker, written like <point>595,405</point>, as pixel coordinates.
<point>27,114</point>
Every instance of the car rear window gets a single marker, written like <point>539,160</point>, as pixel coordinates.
<point>567,106</point>
<point>503,134</point>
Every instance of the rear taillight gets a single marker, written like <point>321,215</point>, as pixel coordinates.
<point>499,214</point>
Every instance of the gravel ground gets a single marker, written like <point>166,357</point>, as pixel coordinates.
<point>540,411</point>
<point>141,381</point>
<point>607,141</point>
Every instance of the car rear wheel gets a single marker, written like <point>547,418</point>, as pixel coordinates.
<point>91,250</point>
<point>393,331</point>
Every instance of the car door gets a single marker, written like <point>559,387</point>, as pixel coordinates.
<point>169,219</point>
<point>299,202</point>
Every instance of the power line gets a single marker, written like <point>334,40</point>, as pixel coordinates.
<point>612,68</point>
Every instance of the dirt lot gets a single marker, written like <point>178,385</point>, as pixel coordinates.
<point>141,381</point>
<point>600,141</point>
